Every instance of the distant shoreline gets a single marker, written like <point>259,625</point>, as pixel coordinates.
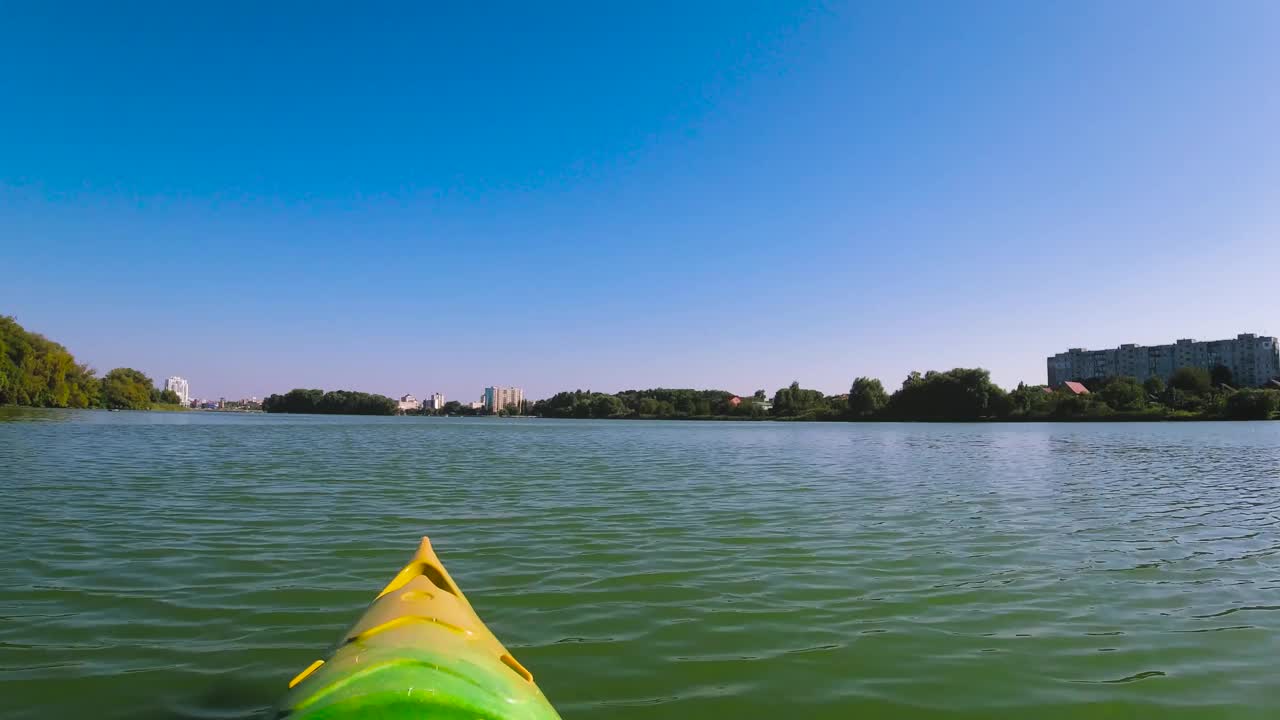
<point>705,418</point>
<point>37,372</point>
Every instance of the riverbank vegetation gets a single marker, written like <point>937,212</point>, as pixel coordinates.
<point>961,394</point>
<point>37,372</point>
<point>334,402</point>
<point>454,408</point>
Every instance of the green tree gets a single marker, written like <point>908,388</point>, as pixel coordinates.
<point>1123,393</point>
<point>127,389</point>
<point>1153,386</point>
<point>1252,404</point>
<point>1221,375</point>
<point>334,402</point>
<point>169,397</point>
<point>959,394</point>
<point>1029,400</point>
<point>1068,405</point>
<point>39,372</point>
<point>867,397</point>
<point>604,406</point>
<point>1176,399</point>
<point>1191,380</point>
<point>794,401</point>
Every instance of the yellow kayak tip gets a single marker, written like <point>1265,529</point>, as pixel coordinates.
<point>419,652</point>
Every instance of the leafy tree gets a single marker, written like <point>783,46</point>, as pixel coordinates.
<point>127,389</point>
<point>334,402</point>
<point>1071,406</point>
<point>169,397</point>
<point>1123,393</point>
<point>653,403</point>
<point>1028,400</point>
<point>297,400</point>
<point>867,397</point>
<point>959,394</point>
<point>1191,380</point>
<point>685,405</point>
<point>39,372</point>
<point>1221,375</point>
<point>677,402</point>
<point>1252,404</point>
<point>1176,399</point>
<point>604,406</point>
<point>1153,385</point>
<point>794,401</point>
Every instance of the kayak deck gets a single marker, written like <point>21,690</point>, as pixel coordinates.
<point>419,652</point>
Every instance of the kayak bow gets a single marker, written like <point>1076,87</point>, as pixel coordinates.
<point>419,652</point>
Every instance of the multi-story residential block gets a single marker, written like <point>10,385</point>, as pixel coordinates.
<point>1253,360</point>
<point>497,397</point>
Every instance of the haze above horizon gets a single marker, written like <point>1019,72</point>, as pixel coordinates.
<point>733,195</point>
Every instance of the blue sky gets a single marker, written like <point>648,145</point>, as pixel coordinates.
<point>404,198</point>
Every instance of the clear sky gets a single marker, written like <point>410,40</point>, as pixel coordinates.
<point>441,196</point>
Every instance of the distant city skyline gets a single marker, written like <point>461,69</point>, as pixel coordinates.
<point>606,198</point>
<point>436,400</point>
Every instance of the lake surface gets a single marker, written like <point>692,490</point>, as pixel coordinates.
<point>158,566</point>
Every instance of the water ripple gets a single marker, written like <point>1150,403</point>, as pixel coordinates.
<point>163,566</point>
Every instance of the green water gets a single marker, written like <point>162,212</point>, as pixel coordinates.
<point>158,566</point>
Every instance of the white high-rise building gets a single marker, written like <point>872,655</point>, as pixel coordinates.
<point>179,387</point>
<point>435,402</point>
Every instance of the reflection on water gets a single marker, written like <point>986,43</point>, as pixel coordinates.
<point>166,565</point>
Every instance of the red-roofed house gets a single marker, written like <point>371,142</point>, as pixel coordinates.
<point>1075,388</point>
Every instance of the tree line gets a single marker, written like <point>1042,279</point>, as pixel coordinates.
<point>960,394</point>
<point>334,402</point>
<point>38,372</point>
<point>1191,393</point>
<point>653,403</point>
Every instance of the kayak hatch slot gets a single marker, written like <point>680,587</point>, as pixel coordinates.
<point>437,578</point>
<point>517,667</point>
<point>424,569</point>
<point>303,675</point>
<point>405,620</point>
